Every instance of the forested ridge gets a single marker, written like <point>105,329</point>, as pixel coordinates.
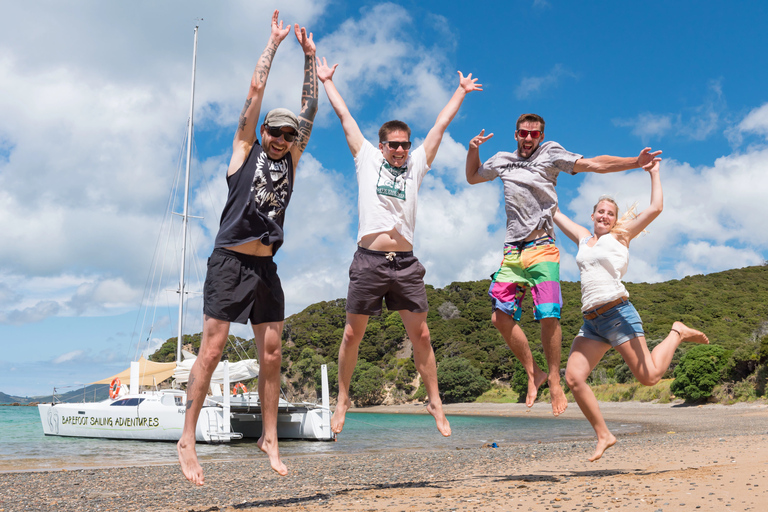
<point>731,307</point>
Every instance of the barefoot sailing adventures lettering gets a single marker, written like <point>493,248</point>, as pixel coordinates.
<point>93,421</point>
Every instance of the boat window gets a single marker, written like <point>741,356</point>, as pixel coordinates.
<point>127,401</point>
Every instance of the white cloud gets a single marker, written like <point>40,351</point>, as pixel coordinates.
<point>532,85</point>
<point>756,121</point>
<point>319,241</point>
<point>69,357</point>
<point>694,123</point>
<point>647,125</point>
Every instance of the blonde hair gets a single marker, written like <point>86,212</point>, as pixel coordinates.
<point>620,227</point>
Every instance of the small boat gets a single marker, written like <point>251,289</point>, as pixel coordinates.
<point>156,414</point>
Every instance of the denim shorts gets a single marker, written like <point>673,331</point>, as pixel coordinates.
<point>618,325</point>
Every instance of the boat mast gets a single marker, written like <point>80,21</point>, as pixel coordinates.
<point>185,215</point>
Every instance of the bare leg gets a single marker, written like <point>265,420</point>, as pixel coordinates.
<point>424,357</point>
<point>214,338</point>
<point>585,354</point>
<point>269,344</point>
<point>551,339</point>
<point>517,342</point>
<point>350,343</point>
<point>647,367</point>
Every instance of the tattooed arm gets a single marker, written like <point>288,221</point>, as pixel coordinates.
<point>308,94</point>
<point>245,136</point>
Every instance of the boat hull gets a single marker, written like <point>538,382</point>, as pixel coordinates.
<point>151,420</point>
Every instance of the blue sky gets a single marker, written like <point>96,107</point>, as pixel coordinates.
<point>95,100</point>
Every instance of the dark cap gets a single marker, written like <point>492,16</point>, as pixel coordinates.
<point>281,117</point>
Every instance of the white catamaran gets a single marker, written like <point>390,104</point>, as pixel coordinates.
<point>158,414</point>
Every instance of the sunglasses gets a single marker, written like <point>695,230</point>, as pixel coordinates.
<point>396,144</point>
<point>277,132</point>
<point>535,134</point>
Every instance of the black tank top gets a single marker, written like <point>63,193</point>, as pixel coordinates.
<point>259,193</point>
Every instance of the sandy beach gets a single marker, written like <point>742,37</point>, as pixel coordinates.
<point>708,458</point>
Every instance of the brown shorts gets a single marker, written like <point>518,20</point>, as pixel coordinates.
<point>240,287</point>
<point>397,277</point>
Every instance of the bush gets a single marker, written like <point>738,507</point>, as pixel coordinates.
<point>367,383</point>
<point>519,380</point>
<point>699,372</point>
<point>459,381</point>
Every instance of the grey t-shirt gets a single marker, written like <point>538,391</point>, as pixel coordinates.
<point>529,186</point>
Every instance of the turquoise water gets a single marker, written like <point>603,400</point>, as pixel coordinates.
<point>24,447</point>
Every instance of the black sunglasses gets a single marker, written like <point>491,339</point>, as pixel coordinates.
<point>277,132</point>
<point>396,144</point>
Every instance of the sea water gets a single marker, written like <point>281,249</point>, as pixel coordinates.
<point>23,446</point>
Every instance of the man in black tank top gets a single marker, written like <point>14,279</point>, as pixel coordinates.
<point>242,282</point>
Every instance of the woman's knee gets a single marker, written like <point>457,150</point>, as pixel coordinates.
<point>574,378</point>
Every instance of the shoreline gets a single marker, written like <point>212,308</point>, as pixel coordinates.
<point>687,457</point>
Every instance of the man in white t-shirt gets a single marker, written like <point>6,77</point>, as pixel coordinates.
<point>531,259</point>
<point>384,266</point>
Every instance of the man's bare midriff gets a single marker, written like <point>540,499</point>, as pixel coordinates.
<point>253,248</point>
<point>538,233</point>
<point>388,241</point>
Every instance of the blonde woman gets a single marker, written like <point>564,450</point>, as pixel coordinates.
<point>610,320</point>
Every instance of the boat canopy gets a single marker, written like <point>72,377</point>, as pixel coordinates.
<point>240,370</point>
<point>151,373</point>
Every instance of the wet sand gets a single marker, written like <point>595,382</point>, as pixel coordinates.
<point>709,458</point>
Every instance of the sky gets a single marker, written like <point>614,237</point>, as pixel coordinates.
<point>94,108</point>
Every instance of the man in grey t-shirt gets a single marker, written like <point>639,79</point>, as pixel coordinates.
<point>531,259</point>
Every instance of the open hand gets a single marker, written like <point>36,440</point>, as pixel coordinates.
<point>468,83</point>
<point>323,71</point>
<point>306,42</point>
<point>647,157</point>
<point>278,32</point>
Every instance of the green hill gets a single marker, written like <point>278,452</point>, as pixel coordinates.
<point>731,307</point>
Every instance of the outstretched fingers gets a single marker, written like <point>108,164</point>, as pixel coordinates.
<point>646,157</point>
<point>324,72</point>
<point>278,31</point>
<point>468,83</point>
<point>306,42</point>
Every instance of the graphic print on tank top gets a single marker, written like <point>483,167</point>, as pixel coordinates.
<point>270,186</point>
<point>391,181</point>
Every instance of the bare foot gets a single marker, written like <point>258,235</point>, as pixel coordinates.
<point>533,387</point>
<point>557,398</point>
<point>339,415</point>
<point>271,449</point>
<point>188,461</point>
<point>602,445</point>
<point>690,335</point>
<point>436,410</point>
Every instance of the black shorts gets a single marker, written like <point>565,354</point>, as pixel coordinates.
<point>397,277</point>
<point>240,287</point>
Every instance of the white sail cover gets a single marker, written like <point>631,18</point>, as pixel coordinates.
<point>241,370</point>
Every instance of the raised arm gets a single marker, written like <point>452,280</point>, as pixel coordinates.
<point>352,132</point>
<point>605,164</point>
<point>308,94</point>
<point>473,158</point>
<point>432,141</point>
<point>639,223</point>
<point>245,135</point>
<point>572,230</point>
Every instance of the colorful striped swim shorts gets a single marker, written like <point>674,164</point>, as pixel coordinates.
<point>534,264</point>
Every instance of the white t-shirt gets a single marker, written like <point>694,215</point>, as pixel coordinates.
<point>602,266</point>
<point>388,196</point>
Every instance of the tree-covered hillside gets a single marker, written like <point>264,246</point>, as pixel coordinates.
<point>731,307</point>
